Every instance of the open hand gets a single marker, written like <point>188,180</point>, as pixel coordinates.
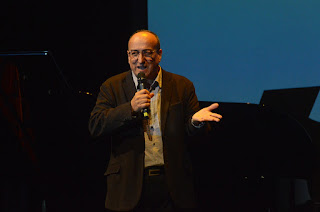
<point>205,114</point>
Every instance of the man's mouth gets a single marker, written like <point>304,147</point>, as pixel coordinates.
<point>141,67</point>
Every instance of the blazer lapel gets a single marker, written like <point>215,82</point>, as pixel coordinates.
<point>128,86</point>
<point>166,93</point>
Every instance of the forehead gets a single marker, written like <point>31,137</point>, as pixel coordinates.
<point>142,40</point>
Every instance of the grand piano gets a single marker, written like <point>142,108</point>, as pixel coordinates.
<point>262,156</point>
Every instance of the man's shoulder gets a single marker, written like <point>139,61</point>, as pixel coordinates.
<point>176,77</point>
<point>117,78</point>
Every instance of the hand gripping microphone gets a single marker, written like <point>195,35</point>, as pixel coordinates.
<point>141,85</point>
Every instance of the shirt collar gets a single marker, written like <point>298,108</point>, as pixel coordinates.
<point>158,79</point>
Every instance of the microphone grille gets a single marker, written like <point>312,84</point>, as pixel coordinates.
<point>141,75</point>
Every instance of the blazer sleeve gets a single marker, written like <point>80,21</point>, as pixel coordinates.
<point>192,106</point>
<point>112,112</point>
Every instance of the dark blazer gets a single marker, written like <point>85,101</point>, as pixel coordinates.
<point>112,116</point>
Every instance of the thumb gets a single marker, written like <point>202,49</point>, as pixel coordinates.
<point>213,106</point>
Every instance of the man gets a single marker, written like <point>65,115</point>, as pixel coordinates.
<point>149,166</point>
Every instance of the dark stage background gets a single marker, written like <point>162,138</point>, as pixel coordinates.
<point>49,162</point>
<point>54,160</point>
<point>88,39</point>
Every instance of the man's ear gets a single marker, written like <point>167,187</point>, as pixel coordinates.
<point>160,54</point>
<point>128,56</point>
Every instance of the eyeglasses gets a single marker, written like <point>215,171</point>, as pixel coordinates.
<point>146,53</point>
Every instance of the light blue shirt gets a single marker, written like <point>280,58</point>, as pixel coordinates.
<point>154,148</point>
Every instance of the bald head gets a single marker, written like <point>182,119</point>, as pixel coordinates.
<point>145,36</point>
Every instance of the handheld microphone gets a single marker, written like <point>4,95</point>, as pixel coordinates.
<point>141,85</point>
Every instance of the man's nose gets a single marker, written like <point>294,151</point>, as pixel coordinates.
<point>141,58</point>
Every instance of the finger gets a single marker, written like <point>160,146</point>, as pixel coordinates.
<point>212,118</point>
<point>213,106</point>
<point>143,91</point>
<point>143,96</point>
<point>142,101</point>
<point>215,119</point>
<point>216,115</point>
